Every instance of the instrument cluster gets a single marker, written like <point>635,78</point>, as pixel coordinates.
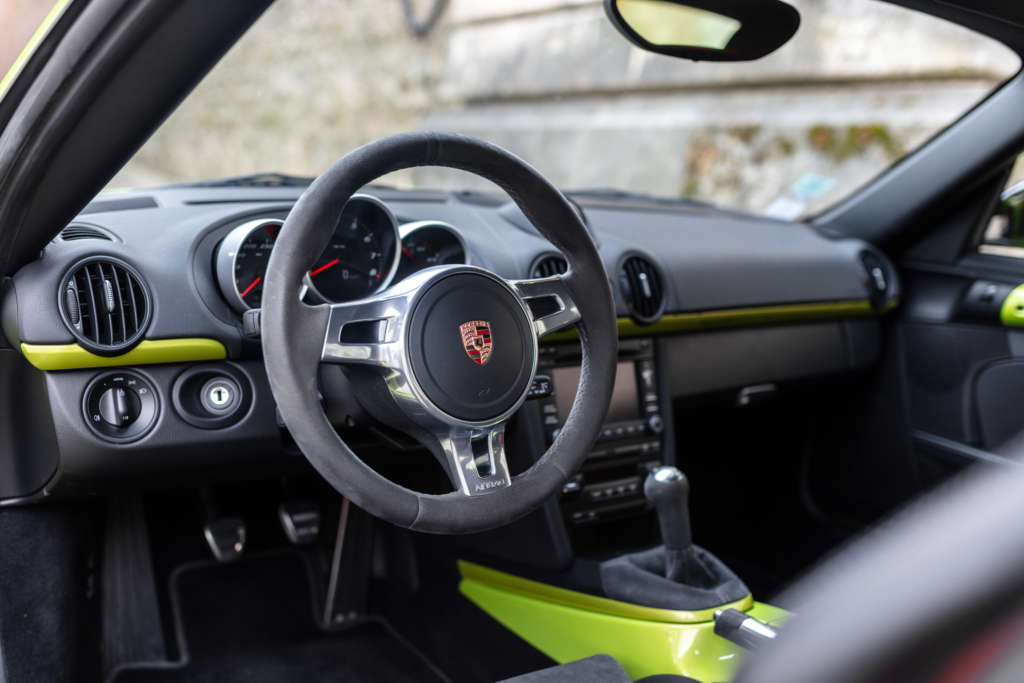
<point>368,252</point>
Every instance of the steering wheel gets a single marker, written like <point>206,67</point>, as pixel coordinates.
<point>448,354</point>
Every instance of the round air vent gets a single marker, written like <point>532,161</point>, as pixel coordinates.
<point>105,305</point>
<point>549,266</point>
<point>642,288</point>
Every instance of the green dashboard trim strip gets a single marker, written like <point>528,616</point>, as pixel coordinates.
<point>567,629</point>
<point>742,317</point>
<point>148,352</point>
<point>593,603</point>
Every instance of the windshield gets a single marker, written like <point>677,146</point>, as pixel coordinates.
<point>861,85</point>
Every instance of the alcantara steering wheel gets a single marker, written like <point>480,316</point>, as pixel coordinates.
<point>448,354</point>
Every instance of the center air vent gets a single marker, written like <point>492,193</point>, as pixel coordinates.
<point>549,266</point>
<point>642,289</point>
<point>105,304</point>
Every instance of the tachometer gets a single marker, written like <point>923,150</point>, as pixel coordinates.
<point>429,243</point>
<point>362,255</point>
<point>241,261</point>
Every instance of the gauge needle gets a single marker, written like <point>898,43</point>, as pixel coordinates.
<point>406,252</point>
<point>325,267</point>
<point>249,288</point>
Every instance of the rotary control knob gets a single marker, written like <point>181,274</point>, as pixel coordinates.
<point>120,406</point>
<point>655,424</point>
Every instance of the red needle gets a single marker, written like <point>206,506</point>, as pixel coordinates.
<point>406,252</point>
<point>249,288</point>
<point>324,267</point>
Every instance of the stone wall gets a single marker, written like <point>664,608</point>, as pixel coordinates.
<point>862,83</point>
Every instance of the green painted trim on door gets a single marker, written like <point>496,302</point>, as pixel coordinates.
<point>1012,312</point>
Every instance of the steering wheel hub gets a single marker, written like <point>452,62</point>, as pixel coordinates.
<point>472,347</point>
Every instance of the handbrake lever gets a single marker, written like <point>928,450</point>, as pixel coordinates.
<point>743,629</point>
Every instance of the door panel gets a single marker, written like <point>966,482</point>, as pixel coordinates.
<point>963,365</point>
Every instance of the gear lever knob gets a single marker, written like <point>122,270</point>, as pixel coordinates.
<point>668,490</point>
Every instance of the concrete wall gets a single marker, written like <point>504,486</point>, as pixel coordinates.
<point>861,84</point>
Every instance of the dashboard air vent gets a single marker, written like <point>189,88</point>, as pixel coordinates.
<point>549,266</point>
<point>82,232</point>
<point>642,289</point>
<point>105,305</point>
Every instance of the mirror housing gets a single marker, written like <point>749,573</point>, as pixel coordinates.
<point>738,30</point>
<point>1010,213</point>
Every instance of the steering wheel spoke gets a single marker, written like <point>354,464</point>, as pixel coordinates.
<point>476,459</point>
<point>365,332</point>
<point>549,299</point>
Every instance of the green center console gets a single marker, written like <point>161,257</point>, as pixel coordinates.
<point>568,625</point>
<point>671,609</point>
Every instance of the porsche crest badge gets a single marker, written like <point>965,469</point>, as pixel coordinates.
<point>476,340</point>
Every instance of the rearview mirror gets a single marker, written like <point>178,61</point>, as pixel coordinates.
<point>705,30</point>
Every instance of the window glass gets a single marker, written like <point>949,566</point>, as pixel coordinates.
<point>1004,233</point>
<point>862,84</point>
<point>19,20</point>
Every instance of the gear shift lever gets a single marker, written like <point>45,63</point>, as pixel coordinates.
<point>668,490</point>
<point>678,575</point>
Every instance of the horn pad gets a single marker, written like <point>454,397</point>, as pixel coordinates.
<point>471,347</point>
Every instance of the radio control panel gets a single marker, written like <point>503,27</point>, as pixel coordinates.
<point>610,483</point>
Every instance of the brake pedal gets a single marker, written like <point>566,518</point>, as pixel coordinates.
<point>301,522</point>
<point>226,538</point>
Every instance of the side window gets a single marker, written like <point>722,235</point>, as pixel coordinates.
<point>18,21</point>
<point>1004,234</point>
<point>23,24</point>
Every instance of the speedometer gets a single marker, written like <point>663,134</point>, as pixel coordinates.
<point>361,257</point>
<point>242,261</point>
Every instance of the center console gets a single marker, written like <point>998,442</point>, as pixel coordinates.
<point>610,483</point>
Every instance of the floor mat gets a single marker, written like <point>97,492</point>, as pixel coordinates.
<point>253,622</point>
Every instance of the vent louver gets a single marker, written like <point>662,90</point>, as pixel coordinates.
<point>549,266</point>
<point>642,289</point>
<point>105,304</point>
<point>83,232</point>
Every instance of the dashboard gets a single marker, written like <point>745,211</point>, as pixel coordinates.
<point>139,359</point>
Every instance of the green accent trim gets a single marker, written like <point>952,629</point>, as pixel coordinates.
<point>741,317</point>
<point>1012,312</point>
<point>566,632</point>
<point>148,352</point>
<point>593,603</point>
<point>48,21</point>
